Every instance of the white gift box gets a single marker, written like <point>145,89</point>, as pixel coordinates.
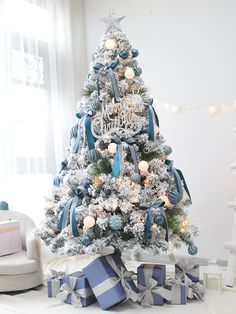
<point>10,238</point>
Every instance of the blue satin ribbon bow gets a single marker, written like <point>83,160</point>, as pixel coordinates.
<point>149,218</point>
<point>100,67</point>
<point>92,154</point>
<point>68,213</point>
<point>177,195</point>
<point>152,119</point>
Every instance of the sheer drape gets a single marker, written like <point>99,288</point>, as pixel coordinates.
<point>36,98</point>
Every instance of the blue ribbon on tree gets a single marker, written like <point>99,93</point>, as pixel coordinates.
<point>117,165</point>
<point>69,211</point>
<point>184,183</point>
<point>177,195</point>
<point>92,154</point>
<point>149,218</point>
<point>110,66</point>
<point>131,141</point>
<point>152,119</point>
<point>78,135</point>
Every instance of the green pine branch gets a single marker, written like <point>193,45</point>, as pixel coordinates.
<point>87,90</point>
<point>102,165</point>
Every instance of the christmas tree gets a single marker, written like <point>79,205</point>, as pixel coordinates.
<point>117,187</point>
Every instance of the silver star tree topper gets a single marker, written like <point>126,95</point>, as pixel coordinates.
<point>112,21</point>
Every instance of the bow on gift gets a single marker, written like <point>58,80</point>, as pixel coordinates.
<point>149,217</point>
<point>76,295</point>
<point>69,213</point>
<point>196,291</point>
<point>110,66</point>
<point>56,274</point>
<point>124,277</point>
<point>117,165</point>
<point>150,288</point>
<point>184,270</point>
<point>152,119</point>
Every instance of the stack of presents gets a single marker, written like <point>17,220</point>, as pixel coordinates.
<point>107,281</point>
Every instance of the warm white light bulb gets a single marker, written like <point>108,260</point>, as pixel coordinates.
<point>112,148</point>
<point>212,110</point>
<point>89,221</point>
<point>156,130</point>
<point>175,108</point>
<point>110,44</point>
<point>143,166</point>
<point>129,73</point>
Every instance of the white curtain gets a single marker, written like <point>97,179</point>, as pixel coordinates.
<point>37,98</point>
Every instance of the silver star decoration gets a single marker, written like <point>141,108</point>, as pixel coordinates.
<point>112,21</point>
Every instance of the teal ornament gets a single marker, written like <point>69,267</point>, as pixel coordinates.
<point>192,249</point>
<point>134,53</point>
<point>124,54</point>
<point>144,130</point>
<point>4,205</point>
<point>137,71</point>
<point>167,150</point>
<point>115,222</point>
<point>87,183</point>
<point>86,240</point>
<point>136,178</point>
<point>159,219</point>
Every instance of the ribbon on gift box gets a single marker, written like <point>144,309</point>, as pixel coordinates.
<point>152,119</point>
<point>149,218</point>
<point>76,295</point>
<point>54,282</point>
<point>151,287</point>
<point>109,67</point>
<point>69,210</point>
<point>196,291</point>
<point>56,274</point>
<point>177,195</point>
<point>124,276</point>
<point>176,286</point>
<point>186,270</point>
<point>117,168</point>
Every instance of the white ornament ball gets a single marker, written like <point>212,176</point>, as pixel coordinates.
<point>129,73</point>
<point>110,44</point>
<point>89,221</point>
<point>112,148</point>
<point>143,166</point>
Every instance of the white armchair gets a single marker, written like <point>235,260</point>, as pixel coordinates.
<point>22,270</point>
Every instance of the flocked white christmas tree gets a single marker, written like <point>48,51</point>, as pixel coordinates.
<point>117,188</point>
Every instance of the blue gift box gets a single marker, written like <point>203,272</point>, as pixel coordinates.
<point>187,268</point>
<point>79,283</point>
<point>151,278</point>
<point>54,285</point>
<point>105,276</point>
<point>179,292</point>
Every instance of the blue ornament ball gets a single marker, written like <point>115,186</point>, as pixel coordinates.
<point>134,53</point>
<point>138,71</point>
<point>124,54</point>
<point>136,178</point>
<point>116,222</point>
<point>86,240</point>
<point>144,130</point>
<point>159,219</point>
<point>87,183</point>
<point>192,249</point>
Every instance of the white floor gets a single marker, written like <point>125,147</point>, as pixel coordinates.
<point>36,301</point>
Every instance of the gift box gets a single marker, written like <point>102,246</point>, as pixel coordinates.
<point>10,238</point>
<point>151,279</point>
<point>195,291</point>
<point>76,290</point>
<point>54,283</point>
<point>110,281</point>
<point>185,270</point>
<point>178,290</point>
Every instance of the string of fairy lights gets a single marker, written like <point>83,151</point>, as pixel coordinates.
<point>212,109</point>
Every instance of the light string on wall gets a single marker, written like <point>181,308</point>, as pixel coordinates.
<point>212,109</point>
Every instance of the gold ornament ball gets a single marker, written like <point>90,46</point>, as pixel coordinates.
<point>129,73</point>
<point>112,148</point>
<point>143,166</point>
<point>165,199</point>
<point>110,44</point>
<point>89,221</point>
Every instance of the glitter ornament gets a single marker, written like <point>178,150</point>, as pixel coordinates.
<point>112,148</point>
<point>110,44</point>
<point>134,53</point>
<point>192,249</point>
<point>143,166</point>
<point>87,183</point>
<point>129,73</point>
<point>136,177</point>
<point>124,54</point>
<point>115,222</point>
<point>89,221</point>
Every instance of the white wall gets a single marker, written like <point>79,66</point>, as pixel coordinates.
<point>187,53</point>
